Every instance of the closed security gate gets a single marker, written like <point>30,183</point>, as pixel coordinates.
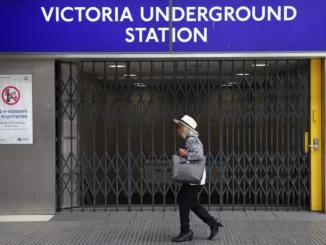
<point>116,133</point>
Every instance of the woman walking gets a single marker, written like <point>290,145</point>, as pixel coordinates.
<point>188,195</point>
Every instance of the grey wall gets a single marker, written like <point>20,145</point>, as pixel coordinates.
<point>27,173</point>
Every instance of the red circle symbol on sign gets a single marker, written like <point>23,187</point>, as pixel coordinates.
<point>10,95</point>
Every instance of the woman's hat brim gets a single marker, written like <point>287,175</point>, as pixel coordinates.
<point>190,128</point>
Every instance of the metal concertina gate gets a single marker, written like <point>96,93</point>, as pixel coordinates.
<point>116,133</point>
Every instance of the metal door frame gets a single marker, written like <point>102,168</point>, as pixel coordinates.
<point>316,120</point>
<point>323,106</point>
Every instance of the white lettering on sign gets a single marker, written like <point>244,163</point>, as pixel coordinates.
<point>227,13</point>
<point>175,14</point>
<point>151,34</point>
<point>91,14</point>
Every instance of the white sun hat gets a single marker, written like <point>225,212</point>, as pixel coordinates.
<point>188,121</point>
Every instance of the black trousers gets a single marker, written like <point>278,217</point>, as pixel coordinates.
<point>188,200</point>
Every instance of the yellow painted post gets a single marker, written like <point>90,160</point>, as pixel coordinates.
<point>323,129</point>
<point>316,170</point>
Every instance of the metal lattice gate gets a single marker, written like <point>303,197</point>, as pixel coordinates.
<point>116,132</point>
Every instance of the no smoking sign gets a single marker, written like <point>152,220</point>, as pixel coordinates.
<point>10,95</point>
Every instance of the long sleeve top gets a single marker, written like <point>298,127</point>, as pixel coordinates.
<point>195,151</point>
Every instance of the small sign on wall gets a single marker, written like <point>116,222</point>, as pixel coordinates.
<point>16,109</point>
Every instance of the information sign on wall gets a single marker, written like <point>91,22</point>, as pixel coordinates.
<point>16,109</point>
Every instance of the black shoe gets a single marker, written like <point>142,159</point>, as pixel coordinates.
<point>215,228</point>
<point>184,237</point>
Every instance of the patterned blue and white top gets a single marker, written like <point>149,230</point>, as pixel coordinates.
<point>195,150</point>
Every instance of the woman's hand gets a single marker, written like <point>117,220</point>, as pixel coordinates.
<point>182,153</point>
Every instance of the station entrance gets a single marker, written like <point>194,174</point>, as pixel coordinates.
<point>116,133</point>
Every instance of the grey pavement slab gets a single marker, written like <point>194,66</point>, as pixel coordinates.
<point>81,216</point>
<point>122,215</point>
<point>149,215</point>
<point>139,232</point>
<point>171,216</point>
<point>174,215</point>
<point>261,215</point>
<point>300,216</point>
<point>233,215</point>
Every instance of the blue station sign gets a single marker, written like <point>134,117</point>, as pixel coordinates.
<point>161,26</point>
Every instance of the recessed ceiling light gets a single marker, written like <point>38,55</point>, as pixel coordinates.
<point>129,75</point>
<point>140,85</point>
<point>242,74</point>
<point>260,65</point>
<point>117,66</point>
<point>230,84</point>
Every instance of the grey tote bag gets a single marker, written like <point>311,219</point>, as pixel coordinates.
<point>184,171</point>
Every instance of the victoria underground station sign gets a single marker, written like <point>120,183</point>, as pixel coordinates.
<point>127,26</point>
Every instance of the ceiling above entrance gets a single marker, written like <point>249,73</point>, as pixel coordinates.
<point>190,69</point>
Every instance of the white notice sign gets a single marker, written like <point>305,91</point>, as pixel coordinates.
<point>16,109</point>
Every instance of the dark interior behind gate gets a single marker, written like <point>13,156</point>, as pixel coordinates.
<point>116,133</point>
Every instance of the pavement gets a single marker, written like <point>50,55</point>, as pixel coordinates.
<point>121,228</point>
